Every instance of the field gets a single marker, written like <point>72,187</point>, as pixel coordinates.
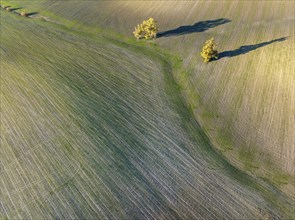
<point>245,100</point>
<point>96,125</point>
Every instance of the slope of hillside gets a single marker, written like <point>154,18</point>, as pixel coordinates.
<point>95,128</point>
<point>245,101</point>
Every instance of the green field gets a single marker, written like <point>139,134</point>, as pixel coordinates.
<point>95,125</point>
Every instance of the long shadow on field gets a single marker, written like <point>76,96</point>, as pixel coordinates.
<point>32,13</point>
<point>247,48</point>
<point>14,9</point>
<point>197,27</point>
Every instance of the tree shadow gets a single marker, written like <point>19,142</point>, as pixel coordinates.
<point>32,13</point>
<point>14,9</point>
<point>247,48</point>
<point>197,27</point>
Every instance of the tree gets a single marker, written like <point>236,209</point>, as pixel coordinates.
<point>24,14</point>
<point>209,50</point>
<point>138,32</point>
<point>147,29</point>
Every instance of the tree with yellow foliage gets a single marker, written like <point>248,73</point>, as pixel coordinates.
<point>209,50</point>
<point>147,29</point>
